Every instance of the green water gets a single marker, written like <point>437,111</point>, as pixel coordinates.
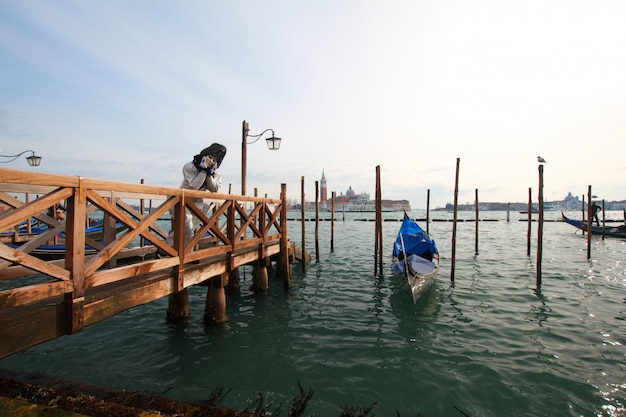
<point>490,344</point>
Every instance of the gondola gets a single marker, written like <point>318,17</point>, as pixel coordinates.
<point>415,258</point>
<point>611,231</point>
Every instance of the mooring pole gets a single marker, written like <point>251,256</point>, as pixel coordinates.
<point>303,261</point>
<point>285,266</point>
<point>378,244</point>
<point>332,222</point>
<point>428,211</point>
<point>540,227</point>
<point>456,200</point>
<point>317,222</point>
<point>530,219</point>
<point>477,220</point>
<point>589,222</point>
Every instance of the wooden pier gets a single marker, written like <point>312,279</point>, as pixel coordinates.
<point>94,278</point>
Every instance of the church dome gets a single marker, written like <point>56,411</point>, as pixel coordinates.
<point>350,191</point>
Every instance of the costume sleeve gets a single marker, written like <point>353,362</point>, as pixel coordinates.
<point>193,178</point>
<point>214,182</point>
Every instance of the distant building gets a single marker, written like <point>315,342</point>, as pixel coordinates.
<point>570,202</point>
<point>351,201</point>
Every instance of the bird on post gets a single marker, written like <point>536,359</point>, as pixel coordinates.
<point>541,160</point>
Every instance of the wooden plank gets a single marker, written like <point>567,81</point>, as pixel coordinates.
<point>33,293</point>
<point>23,327</point>
<point>33,263</point>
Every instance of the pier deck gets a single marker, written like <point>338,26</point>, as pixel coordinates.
<point>41,299</point>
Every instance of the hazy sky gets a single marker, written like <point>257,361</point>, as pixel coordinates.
<point>132,89</point>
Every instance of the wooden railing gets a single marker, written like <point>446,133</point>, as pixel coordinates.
<point>134,219</point>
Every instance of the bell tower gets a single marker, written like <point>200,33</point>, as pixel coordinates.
<point>323,189</point>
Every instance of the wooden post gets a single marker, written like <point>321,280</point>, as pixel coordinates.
<point>332,222</point>
<point>456,200</point>
<point>317,222</point>
<point>303,261</point>
<point>178,306</point>
<point>476,228</point>
<point>259,277</point>
<point>428,211</point>
<point>589,222</point>
<point>508,212</point>
<point>234,279</point>
<point>378,243</point>
<point>215,307</point>
<point>74,301</point>
<point>285,267</point>
<point>530,219</point>
<point>540,227</point>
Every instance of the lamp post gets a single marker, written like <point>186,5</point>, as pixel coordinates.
<point>273,144</point>
<point>33,160</point>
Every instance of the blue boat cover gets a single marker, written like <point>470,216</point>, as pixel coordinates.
<point>416,240</point>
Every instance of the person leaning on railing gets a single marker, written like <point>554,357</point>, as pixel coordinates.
<point>200,174</point>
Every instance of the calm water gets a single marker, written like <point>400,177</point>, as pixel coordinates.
<point>489,345</point>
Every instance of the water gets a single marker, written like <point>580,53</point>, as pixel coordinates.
<point>491,344</point>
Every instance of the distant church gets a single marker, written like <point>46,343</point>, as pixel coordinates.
<point>351,201</point>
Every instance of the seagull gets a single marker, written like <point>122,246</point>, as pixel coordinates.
<point>541,160</point>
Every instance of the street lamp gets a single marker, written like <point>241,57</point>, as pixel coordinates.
<point>33,160</point>
<point>273,144</point>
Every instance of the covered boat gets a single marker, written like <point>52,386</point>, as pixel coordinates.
<point>415,257</point>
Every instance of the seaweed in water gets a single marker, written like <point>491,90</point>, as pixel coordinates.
<point>298,404</point>
<point>352,411</point>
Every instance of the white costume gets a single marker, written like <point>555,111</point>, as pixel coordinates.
<point>200,174</point>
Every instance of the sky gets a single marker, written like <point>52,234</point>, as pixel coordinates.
<point>127,90</point>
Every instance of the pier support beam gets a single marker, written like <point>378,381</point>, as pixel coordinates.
<point>234,284</point>
<point>259,277</point>
<point>178,308</point>
<point>215,310</point>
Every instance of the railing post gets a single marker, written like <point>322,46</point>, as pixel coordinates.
<point>233,276</point>
<point>178,306</point>
<point>75,259</point>
<point>109,231</point>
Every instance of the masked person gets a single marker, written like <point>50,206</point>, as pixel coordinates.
<point>200,174</point>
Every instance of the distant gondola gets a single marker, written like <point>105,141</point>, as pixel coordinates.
<point>611,231</point>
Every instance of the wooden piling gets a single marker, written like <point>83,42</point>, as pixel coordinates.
<point>540,227</point>
<point>378,241</point>
<point>530,213</point>
<point>303,263</point>
<point>454,219</point>
<point>332,222</point>
<point>215,308</point>
<point>428,211</point>
<point>284,264</point>
<point>178,306</point>
<point>317,222</point>
<point>477,220</point>
<point>260,277</point>
<point>589,222</point>
<point>603,219</point>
